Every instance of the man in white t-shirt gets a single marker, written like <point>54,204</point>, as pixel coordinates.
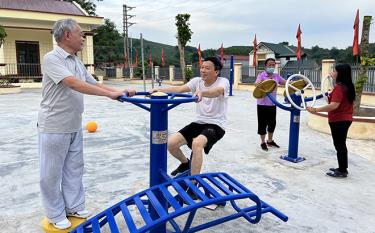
<point>212,93</point>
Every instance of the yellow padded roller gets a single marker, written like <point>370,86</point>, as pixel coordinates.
<point>263,88</point>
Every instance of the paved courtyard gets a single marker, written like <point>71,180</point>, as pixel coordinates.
<point>117,163</point>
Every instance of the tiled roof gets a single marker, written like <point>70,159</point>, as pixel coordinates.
<point>304,64</point>
<point>280,49</point>
<point>50,6</point>
<point>236,57</point>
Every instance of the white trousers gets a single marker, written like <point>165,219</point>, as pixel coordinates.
<point>61,171</point>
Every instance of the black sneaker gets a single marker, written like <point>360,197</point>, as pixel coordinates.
<point>272,144</point>
<point>337,174</point>
<point>191,194</point>
<point>183,167</point>
<point>336,169</point>
<point>264,146</point>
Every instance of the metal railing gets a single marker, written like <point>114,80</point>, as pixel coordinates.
<point>22,70</point>
<point>370,85</point>
<point>313,74</point>
<point>164,73</point>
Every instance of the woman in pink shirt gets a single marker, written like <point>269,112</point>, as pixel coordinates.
<point>266,109</point>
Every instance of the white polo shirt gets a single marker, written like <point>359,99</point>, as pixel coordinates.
<point>61,107</point>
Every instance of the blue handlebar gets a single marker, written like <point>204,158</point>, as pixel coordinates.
<point>172,100</point>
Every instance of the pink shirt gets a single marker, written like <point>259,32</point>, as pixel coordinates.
<point>264,76</point>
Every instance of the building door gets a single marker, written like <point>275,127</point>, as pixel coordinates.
<point>28,62</point>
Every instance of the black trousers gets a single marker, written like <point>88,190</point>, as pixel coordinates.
<point>266,119</point>
<point>339,131</point>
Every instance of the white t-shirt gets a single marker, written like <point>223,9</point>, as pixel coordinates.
<point>211,110</point>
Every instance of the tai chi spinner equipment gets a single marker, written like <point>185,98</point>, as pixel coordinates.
<point>295,91</point>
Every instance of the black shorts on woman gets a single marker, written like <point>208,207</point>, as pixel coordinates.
<point>212,132</point>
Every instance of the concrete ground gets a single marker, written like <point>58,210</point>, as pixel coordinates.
<point>117,163</point>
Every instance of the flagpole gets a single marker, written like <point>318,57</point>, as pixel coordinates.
<point>143,65</point>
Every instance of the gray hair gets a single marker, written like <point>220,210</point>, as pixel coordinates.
<point>61,26</point>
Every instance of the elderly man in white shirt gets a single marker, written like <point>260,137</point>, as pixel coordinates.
<point>65,80</point>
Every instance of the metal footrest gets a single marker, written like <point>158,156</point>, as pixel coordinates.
<point>171,200</point>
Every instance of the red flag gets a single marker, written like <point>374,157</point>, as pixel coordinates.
<point>162,57</point>
<point>199,55</point>
<point>126,61</point>
<point>150,57</point>
<point>298,36</point>
<point>222,54</point>
<point>356,29</point>
<point>136,58</point>
<point>255,51</point>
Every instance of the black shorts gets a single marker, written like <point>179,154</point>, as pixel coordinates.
<point>212,132</point>
<point>266,119</point>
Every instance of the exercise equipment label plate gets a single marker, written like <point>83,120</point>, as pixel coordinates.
<point>159,137</point>
<point>296,119</point>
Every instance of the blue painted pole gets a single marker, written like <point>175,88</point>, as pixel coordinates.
<point>158,153</point>
<point>292,155</point>
<point>231,75</point>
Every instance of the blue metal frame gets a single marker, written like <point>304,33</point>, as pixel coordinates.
<point>295,113</point>
<point>231,76</point>
<point>155,204</point>
<point>212,188</point>
<point>158,138</point>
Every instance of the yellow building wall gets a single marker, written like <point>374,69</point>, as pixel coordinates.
<point>42,36</point>
<point>87,54</point>
<point>45,39</point>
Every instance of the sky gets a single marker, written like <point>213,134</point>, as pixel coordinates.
<point>326,23</point>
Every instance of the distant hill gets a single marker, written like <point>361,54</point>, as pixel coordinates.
<point>171,54</point>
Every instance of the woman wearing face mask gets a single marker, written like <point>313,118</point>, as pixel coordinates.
<point>340,115</point>
<point>266,109</point>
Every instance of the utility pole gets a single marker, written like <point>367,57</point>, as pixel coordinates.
<point>126,25</point>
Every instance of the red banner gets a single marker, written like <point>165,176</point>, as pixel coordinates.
<point>136,58</point>
<point>222,54</point>
<point>199,55</point>
<point>356,29</point>
<point>255,51</point>
<point>299,48</point>
<point>150,58</point>
<point>162,57</point>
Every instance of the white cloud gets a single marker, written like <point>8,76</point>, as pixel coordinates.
<point>326,23</point>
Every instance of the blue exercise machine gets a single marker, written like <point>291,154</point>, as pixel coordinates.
<point>166,198</point>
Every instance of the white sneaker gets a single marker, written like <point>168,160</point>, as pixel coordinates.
<point>63,224</point>
<point>79,214</point>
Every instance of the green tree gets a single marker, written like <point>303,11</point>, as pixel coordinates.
<point>366,61</point>
<point>108,46</point>
<point>183,36</point>
<point>209,53</point>
<point>87,5</point>
<point>3,34</point>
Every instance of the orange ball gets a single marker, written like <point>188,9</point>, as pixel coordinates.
<point>91,126</point>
